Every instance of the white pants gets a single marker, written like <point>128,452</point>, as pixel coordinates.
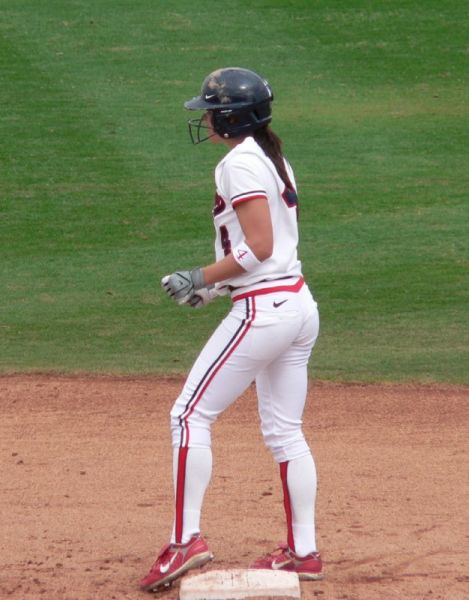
<point>267,337</point>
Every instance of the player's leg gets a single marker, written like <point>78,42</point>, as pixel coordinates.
<point>282,389</point>
<point>195,466</point>
<point>220,374</point>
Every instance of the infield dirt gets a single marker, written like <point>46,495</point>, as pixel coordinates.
<point>86,494</point>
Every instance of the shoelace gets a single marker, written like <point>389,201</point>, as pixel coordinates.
<point>280,548</point>
<point>161,553</point>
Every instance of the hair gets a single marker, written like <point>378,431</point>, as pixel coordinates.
<point>271,144</point>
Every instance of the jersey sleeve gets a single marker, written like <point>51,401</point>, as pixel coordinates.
<point>243,180</point>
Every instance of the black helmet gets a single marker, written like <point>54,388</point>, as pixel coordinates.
<point>240,100</point>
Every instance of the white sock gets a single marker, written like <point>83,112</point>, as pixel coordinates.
<point>302,484</point>
<point>198,470</point>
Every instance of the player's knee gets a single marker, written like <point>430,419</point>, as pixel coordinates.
<point>287,447</point>
<point>193,431</point>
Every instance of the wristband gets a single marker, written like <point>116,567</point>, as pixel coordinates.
<point>198,280</point>
<point>245,257</point>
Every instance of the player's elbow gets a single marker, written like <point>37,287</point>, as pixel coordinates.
<point>265,253</point>
<point>262,248</point>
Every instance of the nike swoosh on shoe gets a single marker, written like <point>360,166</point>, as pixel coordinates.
<point>166,566</point>
<point>279,565</point>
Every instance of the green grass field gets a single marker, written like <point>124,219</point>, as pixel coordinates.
<point>102,193</point>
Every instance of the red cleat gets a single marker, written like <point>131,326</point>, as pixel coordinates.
<point>174,560</point>
<point>308,567</point>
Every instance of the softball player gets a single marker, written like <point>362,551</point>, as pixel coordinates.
<point>267,337</point>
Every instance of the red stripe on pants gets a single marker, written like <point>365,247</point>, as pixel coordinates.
<point>223,358</point>
<point>287,504</point>
<point>180,485</point>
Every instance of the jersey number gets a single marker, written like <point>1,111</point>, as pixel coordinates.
<point>225,240</point>
<point>290,198</point>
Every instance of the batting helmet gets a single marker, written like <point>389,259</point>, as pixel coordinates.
<point>240,101</point>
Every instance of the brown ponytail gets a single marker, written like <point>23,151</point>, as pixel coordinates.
<point>272,146</point>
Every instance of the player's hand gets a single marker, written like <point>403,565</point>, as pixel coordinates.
<point>202,297</point>
<point>181,285</point>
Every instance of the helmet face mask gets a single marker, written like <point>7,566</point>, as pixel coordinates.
<point>196,129</point>
<point>239,100</point>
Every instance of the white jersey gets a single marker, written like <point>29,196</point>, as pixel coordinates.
<point>247,174</point>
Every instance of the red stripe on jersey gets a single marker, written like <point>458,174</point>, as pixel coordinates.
<point>295,288</point>
<point>287,504</point>
<point>248,198</point>
<point>180,485</point>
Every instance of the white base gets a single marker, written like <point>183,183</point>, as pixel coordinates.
<point>239,584</point>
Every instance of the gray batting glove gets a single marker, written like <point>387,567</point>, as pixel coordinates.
<point>181,285</point>
<point>203,297</point>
